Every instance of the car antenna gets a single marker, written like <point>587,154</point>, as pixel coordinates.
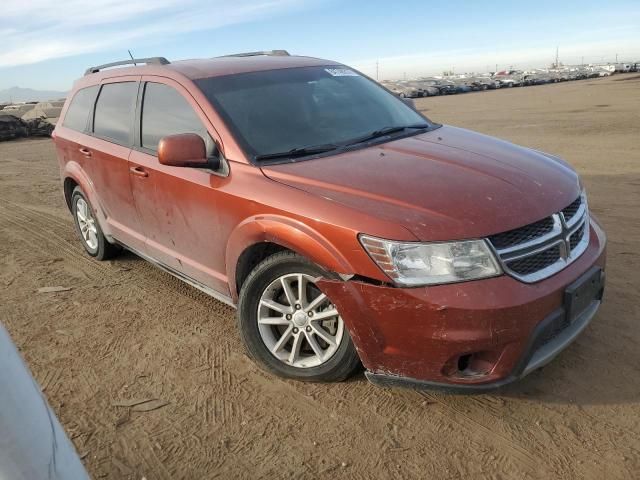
<point>132,59</point>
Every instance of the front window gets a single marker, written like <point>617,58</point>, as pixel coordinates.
<point>166,112</point>
<point>284,110</point>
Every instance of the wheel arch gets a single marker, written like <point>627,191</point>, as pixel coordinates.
<point>260,236</point>
<point>68,185</point>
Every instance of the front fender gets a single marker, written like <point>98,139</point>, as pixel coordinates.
<point>288,233</point>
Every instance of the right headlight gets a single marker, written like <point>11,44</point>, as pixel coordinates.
<point>413,264</point>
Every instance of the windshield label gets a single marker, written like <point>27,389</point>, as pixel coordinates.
<point>341,72</point>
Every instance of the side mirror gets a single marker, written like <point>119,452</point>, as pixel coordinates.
<point>183,150</point>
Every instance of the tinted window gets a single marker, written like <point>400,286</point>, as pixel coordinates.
<point>279,110</point>
<point>79,108</point>
<point>166,112</point>
<point>114,111</point>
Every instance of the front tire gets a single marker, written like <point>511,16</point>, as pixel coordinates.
<point>289,327</point>
<point>93,240</point>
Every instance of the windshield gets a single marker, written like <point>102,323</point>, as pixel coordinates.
<point>298,109</point>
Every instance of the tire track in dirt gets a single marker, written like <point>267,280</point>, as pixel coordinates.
<point>494,414</point>
<point>49,239</point>
<point>330,407</point>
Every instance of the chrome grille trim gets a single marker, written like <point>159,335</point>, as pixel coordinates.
<point>578,215</point>
<point>560,236</point>
<point>557,230</point>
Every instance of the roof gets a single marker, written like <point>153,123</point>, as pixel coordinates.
<point>209,67</point>
<point>214,67</point>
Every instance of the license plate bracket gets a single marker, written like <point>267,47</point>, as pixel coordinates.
<point>580,294</point>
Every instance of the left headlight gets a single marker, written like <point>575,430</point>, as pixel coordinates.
<point>412,264</point>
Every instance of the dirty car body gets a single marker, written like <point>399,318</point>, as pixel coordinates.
<point>455,260</point>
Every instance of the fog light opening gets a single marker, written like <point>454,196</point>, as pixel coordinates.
<point>476,364</point>
<point>471,365</point>
<point>463,362</point>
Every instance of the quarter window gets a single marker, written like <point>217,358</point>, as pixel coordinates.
<point>114,112</point>
<point>79,108</point>
<point>166,112</point>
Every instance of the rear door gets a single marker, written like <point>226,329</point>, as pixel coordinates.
<point>107,153</point>
<point>177,206</point>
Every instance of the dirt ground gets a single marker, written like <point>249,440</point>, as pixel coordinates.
<point>127,330</point>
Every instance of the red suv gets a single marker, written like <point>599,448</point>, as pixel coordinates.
<point>345,226</point>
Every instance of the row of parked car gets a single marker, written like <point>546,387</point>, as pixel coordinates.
<point>429,87</point>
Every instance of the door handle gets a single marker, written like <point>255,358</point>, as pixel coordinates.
<point>139,171</point>
<point>85,151</point>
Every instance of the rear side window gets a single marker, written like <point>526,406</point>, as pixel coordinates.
<point>115,108</point>
<point>78,112</point>
<point>166,112</point>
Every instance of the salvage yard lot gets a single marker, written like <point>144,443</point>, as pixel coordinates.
<point>126,330</point>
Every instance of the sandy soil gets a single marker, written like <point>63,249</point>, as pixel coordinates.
<point>126,331</point>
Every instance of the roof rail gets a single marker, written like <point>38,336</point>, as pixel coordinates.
<point>271,53</point>
<point>133,61</point>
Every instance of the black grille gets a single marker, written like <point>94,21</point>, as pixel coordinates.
<point>535,262</point>
<point>522,234</point>
<point>519,249</point>
<point>576,237</point>
<point>572,209</point>
<point>551,331</point>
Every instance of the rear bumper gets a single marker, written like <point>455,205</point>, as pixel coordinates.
<point>422,337</point>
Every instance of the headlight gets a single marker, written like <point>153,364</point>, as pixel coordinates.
<point>412,264</point>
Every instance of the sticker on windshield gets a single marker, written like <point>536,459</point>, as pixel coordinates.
<point>341,72</point>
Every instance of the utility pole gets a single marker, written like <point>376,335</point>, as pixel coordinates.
<point>496,68</point>
<point>377,70</point>
<point>616,58</point>
<point>405,76</point>
<point>582,62</point>
<point>557,48</point>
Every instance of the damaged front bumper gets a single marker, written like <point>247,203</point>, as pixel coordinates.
<point>468,337</point>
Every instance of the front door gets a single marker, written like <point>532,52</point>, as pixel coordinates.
<point>177,206</point>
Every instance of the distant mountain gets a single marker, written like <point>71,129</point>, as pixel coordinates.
<point>17,94</point>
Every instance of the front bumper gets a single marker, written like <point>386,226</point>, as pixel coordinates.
<point>463,337</point>
<point>533,358</point>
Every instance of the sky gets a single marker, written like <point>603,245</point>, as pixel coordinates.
<point>47,44</point>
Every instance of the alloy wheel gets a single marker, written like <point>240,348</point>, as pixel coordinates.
<point>87,224</point>
<point>298,323</point>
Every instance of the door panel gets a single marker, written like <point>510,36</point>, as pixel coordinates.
<point>178,208</point>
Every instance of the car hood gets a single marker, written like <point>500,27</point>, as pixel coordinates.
<point>445,184</point>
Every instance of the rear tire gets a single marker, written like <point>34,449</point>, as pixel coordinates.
<point>292,331</point>
<point>91,236</point>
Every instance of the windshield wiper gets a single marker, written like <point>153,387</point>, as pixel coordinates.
<point>327,147</point>
<point>383,132</point>
<point>298,152</point>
